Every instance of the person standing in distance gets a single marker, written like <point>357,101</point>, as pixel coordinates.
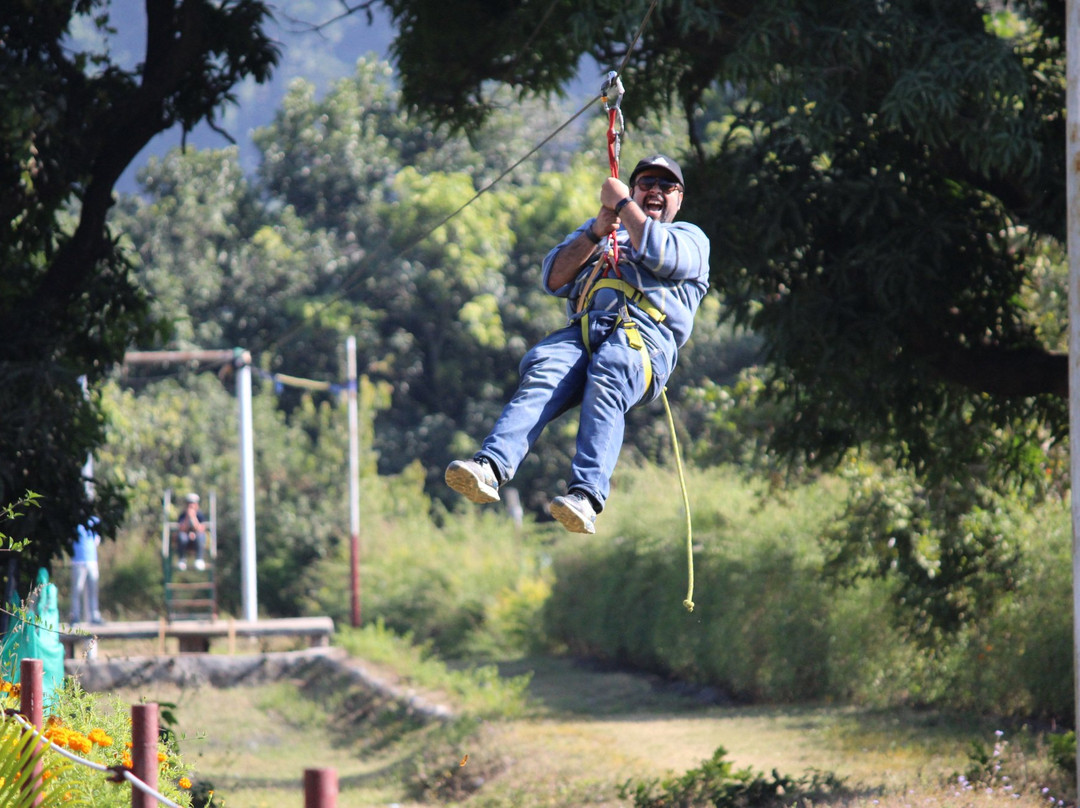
<point>619,347</point>
<point>85,574</point>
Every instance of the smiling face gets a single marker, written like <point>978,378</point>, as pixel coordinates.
<point>658,193</point>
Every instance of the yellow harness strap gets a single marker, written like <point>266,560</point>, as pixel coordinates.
<point>633,333</point>
<point>632,294</point>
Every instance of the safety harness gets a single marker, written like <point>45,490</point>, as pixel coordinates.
<point>606,275</point>
<point>627,294</point>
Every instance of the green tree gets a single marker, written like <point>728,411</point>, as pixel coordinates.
<point>871,195</point>
<point>69,304</point>
<point>882,183</point>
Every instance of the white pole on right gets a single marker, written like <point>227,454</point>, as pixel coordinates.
<point>354,482</point>
<point>249,598</point>
<point>1072,177</point>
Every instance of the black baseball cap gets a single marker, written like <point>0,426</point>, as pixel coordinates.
<point>658,161</point>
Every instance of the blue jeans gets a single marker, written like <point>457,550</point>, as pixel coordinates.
<point>557,374</point>
<point>192,540</point>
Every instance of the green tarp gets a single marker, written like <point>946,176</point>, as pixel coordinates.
<point>34,634</point>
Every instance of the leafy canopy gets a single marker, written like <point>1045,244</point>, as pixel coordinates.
<point>874,177</point>
<point>74,118</point>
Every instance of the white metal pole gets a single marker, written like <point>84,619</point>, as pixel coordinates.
<point>88,466</point>
<point>1072,155</point>
<point>354,482</point>
<point>248,594</point>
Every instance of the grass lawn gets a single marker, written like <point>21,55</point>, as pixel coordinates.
<point>589,731</point>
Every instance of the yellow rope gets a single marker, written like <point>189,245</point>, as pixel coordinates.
<point>689,601</point>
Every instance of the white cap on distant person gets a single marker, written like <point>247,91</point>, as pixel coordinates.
<point>194,498</point>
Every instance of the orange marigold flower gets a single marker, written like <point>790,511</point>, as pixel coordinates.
<point>128,744</point>
<point>184,783</point>
<point>127,761</point>
<point>79,742</point>
<point>162,757</point>
<point>47,774</point>
<point>58,735</point>
<point>100,737</point>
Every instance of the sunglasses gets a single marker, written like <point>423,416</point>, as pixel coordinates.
<point>648,183</point>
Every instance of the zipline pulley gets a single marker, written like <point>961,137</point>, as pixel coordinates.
<point>612,92</point>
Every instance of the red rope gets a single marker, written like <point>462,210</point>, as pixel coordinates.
<point>611,254</point>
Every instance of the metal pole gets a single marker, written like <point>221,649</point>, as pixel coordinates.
<point>144,751</point>
<point>32,705</point>
<point>248,593</point>
<point>88,466</point>
<point>1072,175</point>
<point>320,788</point>
<point>354,482</point>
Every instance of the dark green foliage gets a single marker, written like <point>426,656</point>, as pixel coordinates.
<point>878,180</point>
<point>947,548</point>
<point>718,783</point>
<point>621,604</point>
<point>864,232</point>
<point>69,302</point>
<point>769,627</point>
<point>1063,752</point>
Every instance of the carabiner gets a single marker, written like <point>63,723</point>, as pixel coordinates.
<point>612,85</point>
<point>613,89</point>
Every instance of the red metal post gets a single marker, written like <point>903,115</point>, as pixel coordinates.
<point>31,672</point>
<point>31,704</point>
<point>320,788</point>
<point>144,752</point>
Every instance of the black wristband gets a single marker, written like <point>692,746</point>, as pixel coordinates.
<point>591,236</point>
<point>622,203</point>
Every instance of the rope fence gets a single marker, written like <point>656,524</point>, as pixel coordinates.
<point>320,785</point>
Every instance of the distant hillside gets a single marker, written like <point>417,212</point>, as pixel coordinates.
<point>318,56</point>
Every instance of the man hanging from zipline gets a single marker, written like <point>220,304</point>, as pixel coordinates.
<point>628,318</point>
<point>631,299</point>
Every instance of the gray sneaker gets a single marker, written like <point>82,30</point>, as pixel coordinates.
<point>473,479</point>
<point>575,512</point>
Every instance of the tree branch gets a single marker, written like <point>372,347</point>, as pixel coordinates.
<point>1003,371</point>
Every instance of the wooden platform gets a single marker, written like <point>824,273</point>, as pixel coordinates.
<point>195,635</point>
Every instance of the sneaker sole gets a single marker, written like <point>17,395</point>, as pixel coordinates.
<point>571,519</point>
<point>461,479</point>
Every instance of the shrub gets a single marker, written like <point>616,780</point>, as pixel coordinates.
<point>718,783</point>
<point>98,730</point>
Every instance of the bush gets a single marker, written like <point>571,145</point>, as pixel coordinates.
<point>470,589</point>
<point>98,730</point>
<point>760,628</point>
<point>717,783</point>
<point>769,625</point>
